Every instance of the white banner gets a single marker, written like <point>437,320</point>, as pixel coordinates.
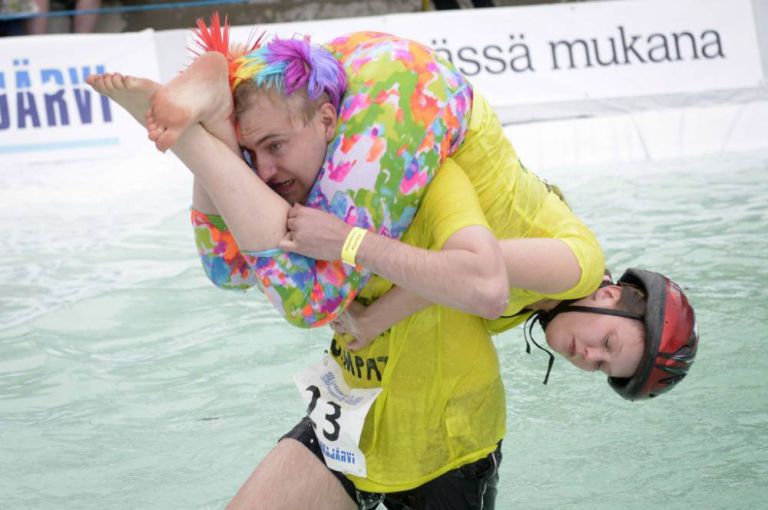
<point>579,51</point>
<point>531,62</point>
<point>49,113</point>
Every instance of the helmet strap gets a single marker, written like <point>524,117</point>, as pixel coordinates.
<point>591,309</point>
<point>528,335</point>
<point>567,306</point>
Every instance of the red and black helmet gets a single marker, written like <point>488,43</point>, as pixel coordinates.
<point>671,337</point>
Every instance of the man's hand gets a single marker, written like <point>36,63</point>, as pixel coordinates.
<point>314,233</point>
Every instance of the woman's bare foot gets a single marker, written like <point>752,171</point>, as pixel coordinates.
<point>132,93</point>
<point>199,94</point>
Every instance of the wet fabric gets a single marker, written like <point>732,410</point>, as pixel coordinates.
<point>442,402</point>
<point>518,204</point>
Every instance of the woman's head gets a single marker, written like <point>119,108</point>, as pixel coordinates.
<point>597,341</point>
<point>641,332</point>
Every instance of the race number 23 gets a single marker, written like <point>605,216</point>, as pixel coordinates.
<point>331,418</point>
<point>337,413</point>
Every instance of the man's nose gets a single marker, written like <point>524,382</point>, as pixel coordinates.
<point>265,169</point>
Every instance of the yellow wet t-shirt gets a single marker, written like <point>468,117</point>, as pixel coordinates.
<point>517,203</point>
<point>442,403</point>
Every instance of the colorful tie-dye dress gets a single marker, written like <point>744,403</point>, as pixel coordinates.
<point>404,111</point>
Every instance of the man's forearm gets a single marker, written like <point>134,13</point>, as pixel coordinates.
<point>472,279</point>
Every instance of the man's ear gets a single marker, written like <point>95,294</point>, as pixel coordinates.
<point>328,118</point>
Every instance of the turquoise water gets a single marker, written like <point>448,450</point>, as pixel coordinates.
<point>128,381</point>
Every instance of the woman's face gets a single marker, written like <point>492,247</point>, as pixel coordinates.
<point>286,151</point>
<point>592,341</point>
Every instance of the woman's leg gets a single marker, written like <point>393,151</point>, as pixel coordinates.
<point>255,214</point>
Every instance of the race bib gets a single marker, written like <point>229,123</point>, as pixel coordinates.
<point>337,413</point>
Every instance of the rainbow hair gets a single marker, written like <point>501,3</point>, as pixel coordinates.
<point>288,65</point>
<point>215,37</point>
<point>282,65</point>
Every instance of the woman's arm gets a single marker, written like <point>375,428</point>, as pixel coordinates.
<point>543,265</point>
<point>365,323</point>
<point>253,212</point>
<point>547,266</point>
<point>200,199</point>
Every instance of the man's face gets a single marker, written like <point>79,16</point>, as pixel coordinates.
<point>286,150</point>
<point>591,341</point>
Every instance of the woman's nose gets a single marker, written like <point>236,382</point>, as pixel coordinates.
<point>593,354</point>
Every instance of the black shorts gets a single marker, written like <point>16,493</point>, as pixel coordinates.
<point>470,487</point>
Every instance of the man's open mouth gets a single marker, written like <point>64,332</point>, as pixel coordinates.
<point>282,187</point>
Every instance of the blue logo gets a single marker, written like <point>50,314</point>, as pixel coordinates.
<point>52,97</point>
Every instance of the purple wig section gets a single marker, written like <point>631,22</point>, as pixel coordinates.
<point>309,65</point>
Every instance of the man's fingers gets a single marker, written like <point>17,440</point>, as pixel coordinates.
<point>287,243</point>
<point>294,210</point>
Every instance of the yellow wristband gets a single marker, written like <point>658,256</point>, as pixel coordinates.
<point>352,244</point>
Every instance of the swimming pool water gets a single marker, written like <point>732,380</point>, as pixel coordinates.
<point>128,381</point>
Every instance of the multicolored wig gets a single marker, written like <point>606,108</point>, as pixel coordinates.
<point>282,65</point>
<point>216,38</point>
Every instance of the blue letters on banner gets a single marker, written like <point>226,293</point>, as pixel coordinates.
<point>34,99</point>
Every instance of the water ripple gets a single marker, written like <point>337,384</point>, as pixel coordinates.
<point>128,381</point>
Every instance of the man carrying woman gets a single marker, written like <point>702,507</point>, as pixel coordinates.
<point>392,142</point>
